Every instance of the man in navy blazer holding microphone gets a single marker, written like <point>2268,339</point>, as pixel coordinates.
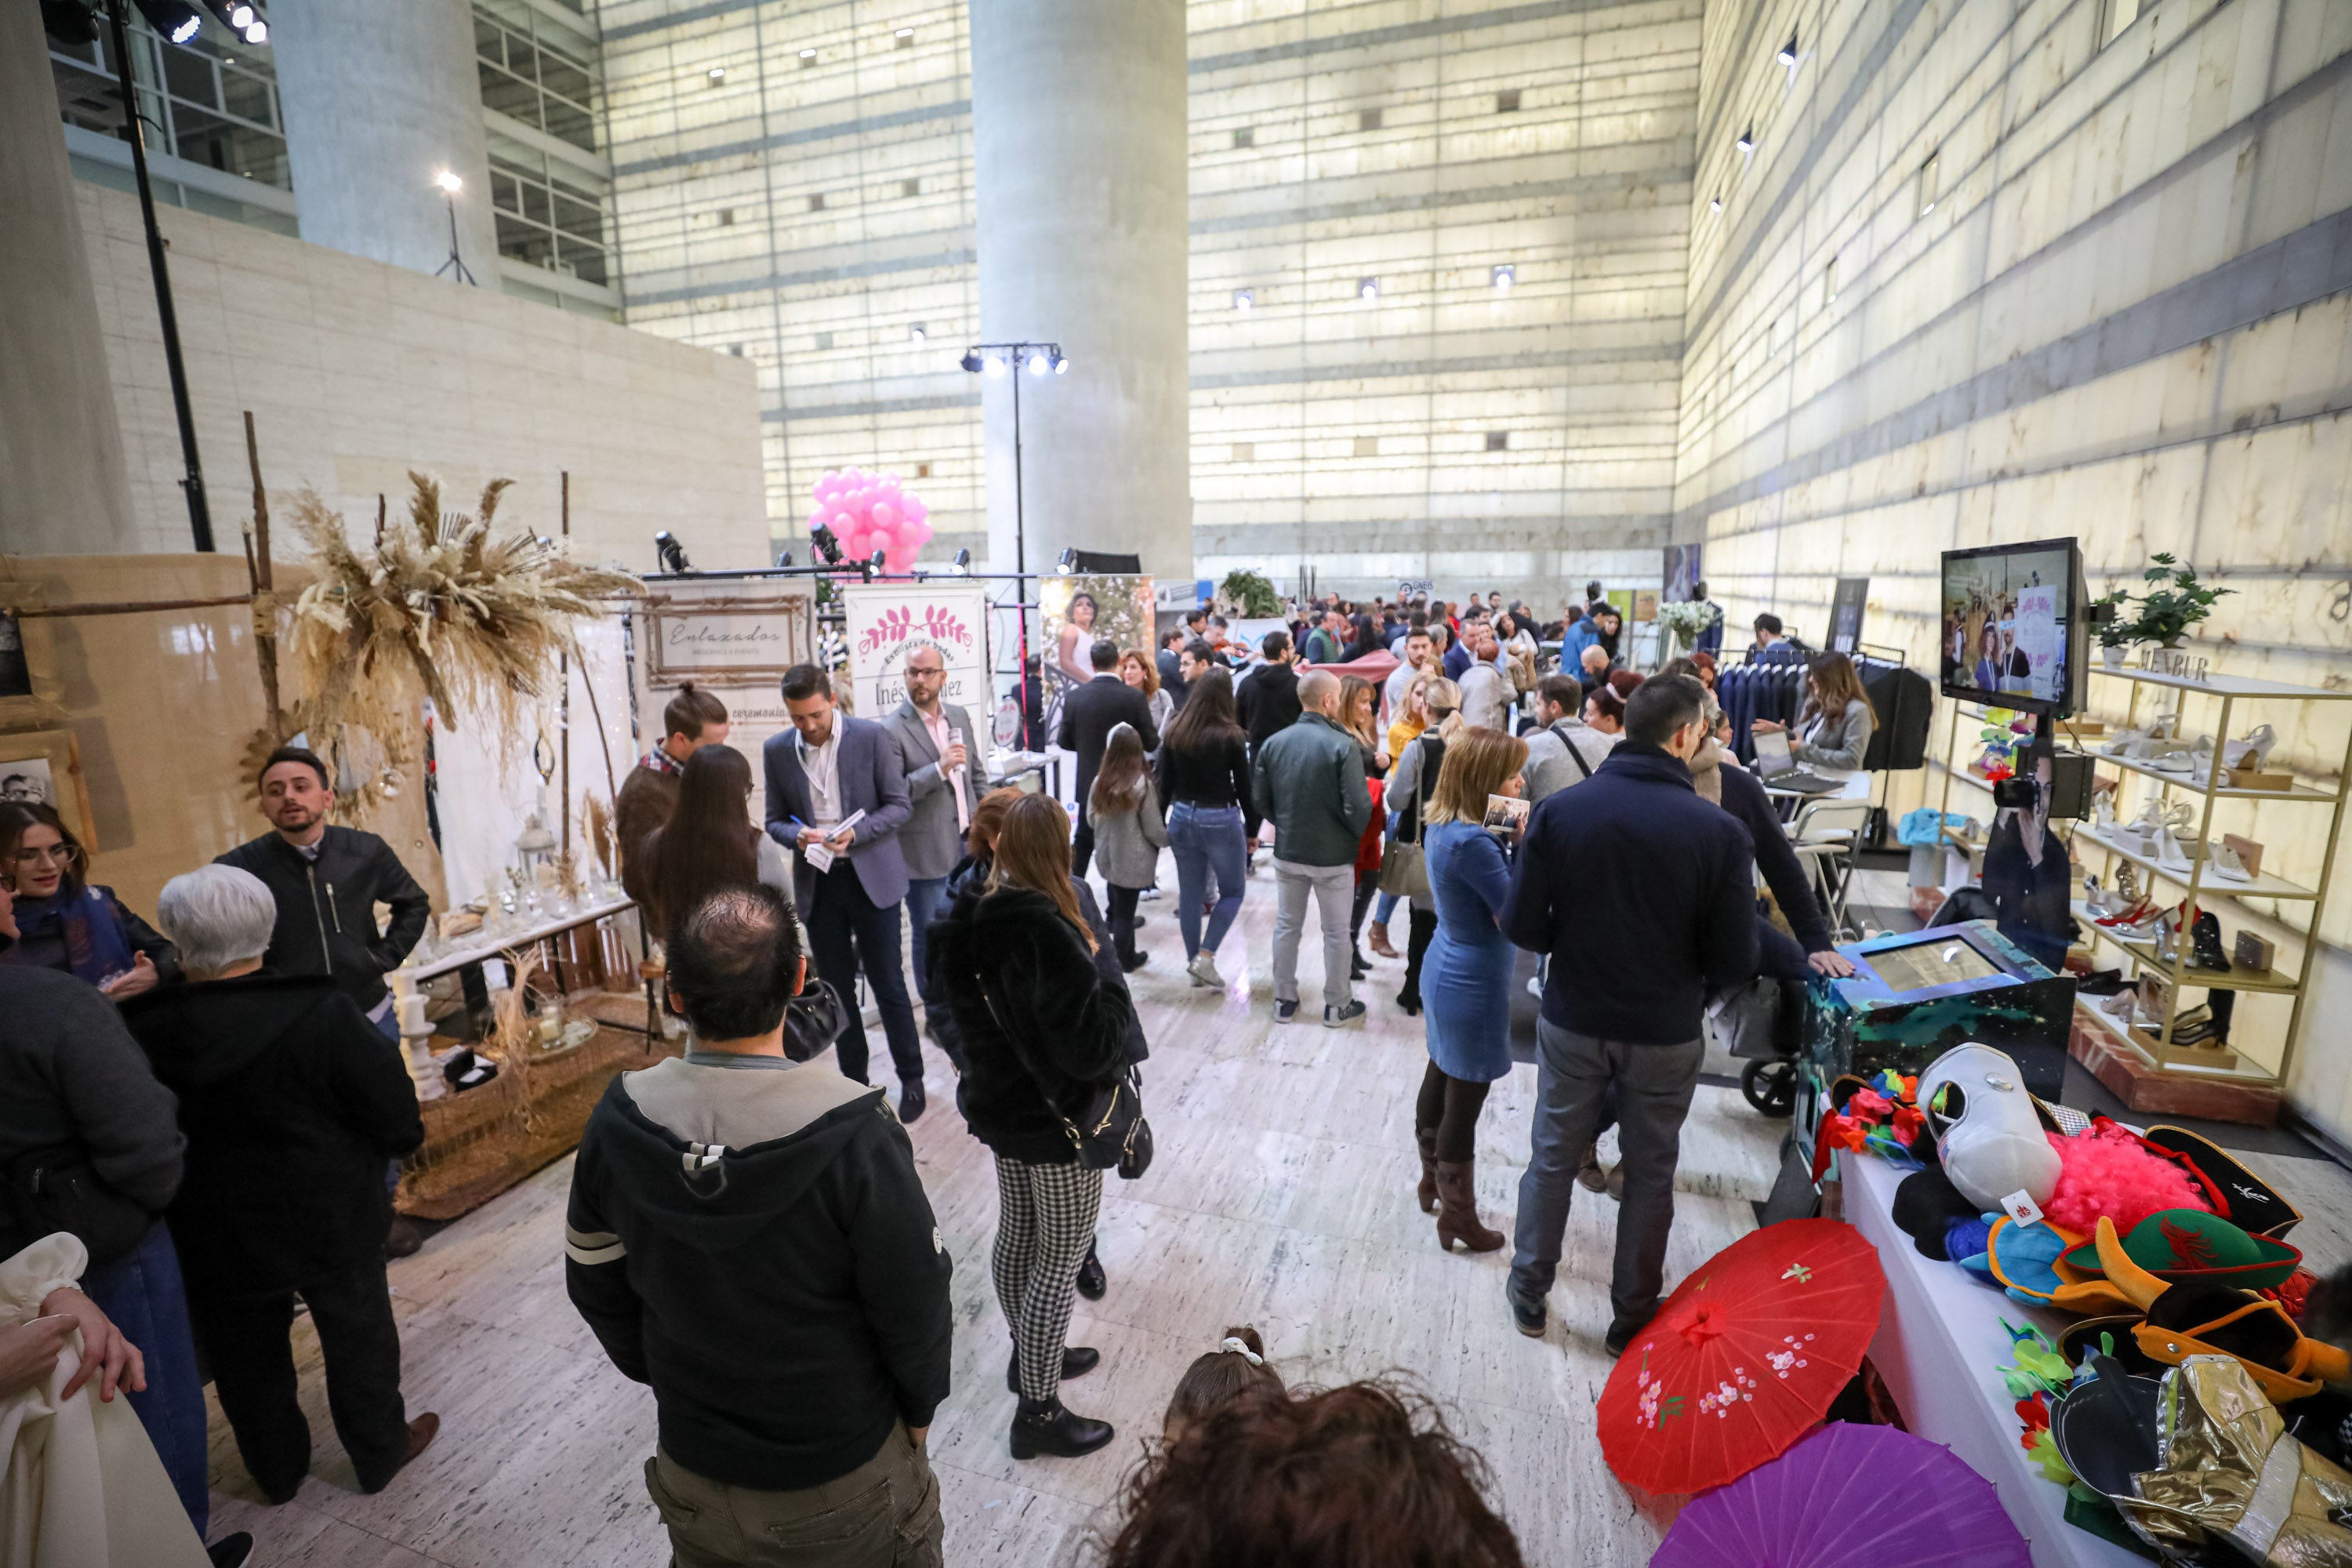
<point>836,798</point>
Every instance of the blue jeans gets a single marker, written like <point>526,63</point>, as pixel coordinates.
<point>141,1291</point>
<point>925,897</point>
<point>1208,842</point>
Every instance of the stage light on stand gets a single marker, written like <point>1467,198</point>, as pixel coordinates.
<point>970,362</point>
<point>1067,563</point>
<point>828,547</point>
<point>1061,365</point>
<point>996,364</point>
<point>961,565</point>
<point>258,33</point>
<point>671,553</point>
<point>783,560</point>
<point>175,19</point>
<point>449,181</point>
<point>1038,364</point>
<point>875,563</point>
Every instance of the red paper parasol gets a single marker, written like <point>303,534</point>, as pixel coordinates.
<point>1744,1358</point>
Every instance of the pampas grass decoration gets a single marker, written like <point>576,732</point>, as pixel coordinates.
<point>515,1035</point>
<point>440,607</point>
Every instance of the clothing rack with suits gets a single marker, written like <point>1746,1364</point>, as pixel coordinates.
<point>1772,691</point>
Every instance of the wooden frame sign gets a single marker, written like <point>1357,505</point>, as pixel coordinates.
<point>719,639</point>
<point>43,767</point>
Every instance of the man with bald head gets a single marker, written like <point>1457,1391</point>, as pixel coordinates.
<point>1310,783</point>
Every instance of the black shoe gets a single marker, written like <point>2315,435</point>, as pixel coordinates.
<point>231,1551</point>
<point>1409,1005</point>
<point>404,1239</point>
<point>1528,1318</point>
<point>1284,1012</point>
<point>1360,968</point>
<point>1139,922</point>
<point>1077,1361</point>
<point>1621,1333</point>
<point>911,1101</point>
<point>2205,942</point>
<point>1133,961</point>
<point>1043,1427</point>
<point>1091,1281</point>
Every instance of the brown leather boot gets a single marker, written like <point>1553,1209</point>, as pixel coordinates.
<point>1427,1138</point>
<point>1457,1210</point>
<point>1380,941</point>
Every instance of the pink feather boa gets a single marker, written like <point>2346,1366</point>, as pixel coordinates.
<point>2106,1171</point>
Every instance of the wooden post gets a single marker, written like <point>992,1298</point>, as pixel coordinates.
<point>563,713</point>
<point>264,579</point>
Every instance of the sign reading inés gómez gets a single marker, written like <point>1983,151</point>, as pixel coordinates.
<point>886,619</point>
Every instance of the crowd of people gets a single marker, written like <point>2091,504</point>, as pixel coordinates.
<point>217,1109</point>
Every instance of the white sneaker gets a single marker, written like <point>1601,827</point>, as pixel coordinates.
<point>1535,986</point>
<point>1203,970</point>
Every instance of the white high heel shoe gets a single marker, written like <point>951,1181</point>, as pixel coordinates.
<point>2170,852</point>
<point>2139,835</point>
<point>2228,864</point>
<point>2253,753</point>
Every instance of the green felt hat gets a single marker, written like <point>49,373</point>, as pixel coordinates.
<point>2183,1246</point>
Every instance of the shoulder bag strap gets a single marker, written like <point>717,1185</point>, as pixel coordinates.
<point>1583,768</point>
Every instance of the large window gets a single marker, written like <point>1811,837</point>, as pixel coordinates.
<point>548,214</point>
<point>535,71</point>
<point>212,103</point>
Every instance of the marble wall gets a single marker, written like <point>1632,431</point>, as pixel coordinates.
<point>809,207</point>
<point>357,371</point>
<point>1989,275</point>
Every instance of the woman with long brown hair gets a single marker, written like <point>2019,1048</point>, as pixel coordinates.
<point>1042,1027</point>
<point>1467,979</point>
<point>1359,702</point>
<point>1137,670</point>
<point>1204,777</point>
<point>53,916</point>
<point>708,844</point>
<point>1124,807</point>
<point>1410,782</point>
<point>1833,726</point>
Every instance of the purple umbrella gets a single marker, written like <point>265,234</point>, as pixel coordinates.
<point>1822,1504</point>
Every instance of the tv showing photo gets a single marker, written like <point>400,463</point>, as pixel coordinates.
<point>2010,626</point>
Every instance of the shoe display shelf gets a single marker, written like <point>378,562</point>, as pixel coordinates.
<point>2216,705</point>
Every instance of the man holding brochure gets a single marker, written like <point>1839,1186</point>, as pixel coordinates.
<point>836,798</point>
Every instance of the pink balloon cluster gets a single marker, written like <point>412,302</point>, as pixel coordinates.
<point>868,513</point>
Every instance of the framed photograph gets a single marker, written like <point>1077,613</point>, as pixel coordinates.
<point>1077,610</point>
<point>721,638</point>
<point>43,767</point>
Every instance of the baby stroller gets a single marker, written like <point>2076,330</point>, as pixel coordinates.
<point>1762,1023</point>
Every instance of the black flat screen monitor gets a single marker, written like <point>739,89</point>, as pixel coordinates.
<point>2013,634</point>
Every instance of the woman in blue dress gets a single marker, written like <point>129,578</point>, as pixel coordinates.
<point>1467,983</point>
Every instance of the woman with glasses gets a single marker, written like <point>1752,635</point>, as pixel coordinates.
<point>53,917</point>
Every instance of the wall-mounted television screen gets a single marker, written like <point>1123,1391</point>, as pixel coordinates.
<point>2013,634</point>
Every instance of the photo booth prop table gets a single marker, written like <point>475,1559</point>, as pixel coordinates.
<point>1940,1348</point>
<point>480,1141</point>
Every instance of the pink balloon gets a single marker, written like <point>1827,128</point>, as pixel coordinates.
<point>885,514</point>
<point>915,510</point>
<point>843,522</point>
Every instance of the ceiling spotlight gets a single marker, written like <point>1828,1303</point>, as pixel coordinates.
<point>961,565</point>
<point>1037,364</point>
<point>716,75</point>
<point>1746,142</point>
<point>996,364</point>
<point>917,333</point>
<point>1244,299</point>
<point>671,553</point>
<point>905,33</point>
<point>240,17</point>
<point>1368,289</point>
<point>970,362</point>
<point>808,54</point>
<point>179,22</point>
<point>449,181</point>
<point>1505,276</point>
<point>1714,205</point>
<point>1789,51</point>
<point>1067,563</point>
<point>258,33</point>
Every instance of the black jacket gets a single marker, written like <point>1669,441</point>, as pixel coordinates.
<point>1267,702</point>
<point>785,1293</point>
<point>1744,797</point>
<point>292,1101</point>
<point>1644,894</point>
<point>1054,1012</point>
<point>1090,713</point>
<point>73,1080</point>
<point>326,908</point>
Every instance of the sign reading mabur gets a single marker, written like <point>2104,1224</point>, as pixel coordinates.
<point>886,621</point>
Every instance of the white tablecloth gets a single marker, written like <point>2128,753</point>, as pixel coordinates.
<point>1940,1347</point>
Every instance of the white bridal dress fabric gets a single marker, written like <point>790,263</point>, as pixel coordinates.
<point>83,1488</point>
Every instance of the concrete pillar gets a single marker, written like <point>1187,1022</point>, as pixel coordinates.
<point>63,487</point>
<point>1078,145</point>
<point>378,100</point>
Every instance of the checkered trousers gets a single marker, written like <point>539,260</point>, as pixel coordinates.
<point>1045,1221</point>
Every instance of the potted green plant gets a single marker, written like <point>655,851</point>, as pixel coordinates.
<point>2116,631</point>
<point>1248,594</point>
<point>2180,603</point>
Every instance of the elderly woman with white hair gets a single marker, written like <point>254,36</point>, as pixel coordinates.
<point>292,1102</point>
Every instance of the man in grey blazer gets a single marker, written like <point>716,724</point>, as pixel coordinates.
<point>943,782</point>
<point>828,768</point>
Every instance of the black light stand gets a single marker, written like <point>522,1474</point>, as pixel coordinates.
<point>1017,355</point>
<point>465,274</point>
<point>200,519</point>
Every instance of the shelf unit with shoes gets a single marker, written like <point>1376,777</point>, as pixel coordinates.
<point>2213,805</point>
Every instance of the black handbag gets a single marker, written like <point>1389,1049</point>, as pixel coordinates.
<point>1107,1132</point>
<point>813,1021</point>
<point>54,1189</point>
